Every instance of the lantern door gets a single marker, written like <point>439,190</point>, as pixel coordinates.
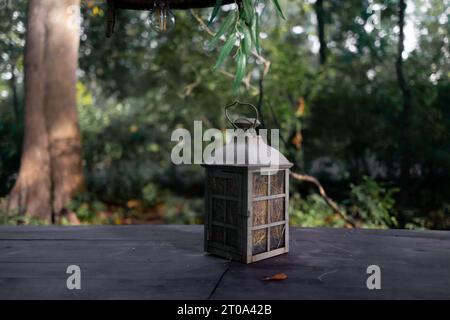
<point>268,222</point>
<point>224,232</point>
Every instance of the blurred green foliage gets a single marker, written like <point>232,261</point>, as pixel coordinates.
<point>370,204</point>
<point>339,121</point>
<point>16,217</point>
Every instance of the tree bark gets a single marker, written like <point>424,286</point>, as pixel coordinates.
<point>51,167</point>
<point>31,193</point>
<point>61,62</point>
<point>320,14</point>
<point>406,116</point>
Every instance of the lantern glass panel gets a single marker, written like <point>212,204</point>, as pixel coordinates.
<point>260,185</point>
<point>277,237</point>
<point>259,213</point>
<point>277,183</point>
<point>259,238</point>
<point>268,206</point>
<point>277,212</point>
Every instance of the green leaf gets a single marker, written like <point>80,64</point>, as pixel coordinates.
<point>225,52</point>
<point>240,70</point>
<point>247,42</point>
<point>226,25</point>
<point>248,10</point>
<point>278,8</point>
<point>255,33</point>
<point>215,11</point>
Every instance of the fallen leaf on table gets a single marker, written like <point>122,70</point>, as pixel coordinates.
<point>276,277</point>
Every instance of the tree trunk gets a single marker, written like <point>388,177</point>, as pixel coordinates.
<point>50,171</point>
<point>320,14</point>
<point>61,61</point>
<point>31,193</point>
<point>406,116</point>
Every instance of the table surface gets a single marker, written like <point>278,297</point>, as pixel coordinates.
<point>168,262</point>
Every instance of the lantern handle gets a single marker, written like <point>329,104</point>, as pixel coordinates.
<point>237,102</point>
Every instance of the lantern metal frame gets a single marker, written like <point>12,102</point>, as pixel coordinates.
<point>245,215</point>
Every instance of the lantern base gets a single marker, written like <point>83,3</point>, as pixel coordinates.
<point>245,259</point>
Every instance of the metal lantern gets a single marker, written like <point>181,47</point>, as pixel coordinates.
<point>247,202</point>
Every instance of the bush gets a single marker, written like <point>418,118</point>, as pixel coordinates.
<point>16,217</point>
<point>312,211</point>
<point>371,204</point>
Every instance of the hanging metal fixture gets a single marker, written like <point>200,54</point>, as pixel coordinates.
<point>161,17</point>
<point>113,6</point>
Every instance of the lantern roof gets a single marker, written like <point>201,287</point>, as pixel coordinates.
<point>247,150</point>
<point>245,147</point>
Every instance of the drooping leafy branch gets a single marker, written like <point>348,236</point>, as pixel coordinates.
<point>240,33</point>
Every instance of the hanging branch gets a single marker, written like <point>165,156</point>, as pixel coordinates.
<point>240,28</point>
<point>245,81</point>
<point>240,33</point>
<point>187,91</point>
<point>253,52</point>
<point>333,205</point>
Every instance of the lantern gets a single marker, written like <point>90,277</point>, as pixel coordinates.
<point>247,201</point>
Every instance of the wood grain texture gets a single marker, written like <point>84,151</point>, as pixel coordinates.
<point>167,262</point>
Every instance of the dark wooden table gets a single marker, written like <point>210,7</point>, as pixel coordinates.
<point>167,262</point>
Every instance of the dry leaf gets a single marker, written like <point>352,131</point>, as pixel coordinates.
<point>276,277</point>
<point>134,204</point>
<point>297,140</point>
<point>300,107</point>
